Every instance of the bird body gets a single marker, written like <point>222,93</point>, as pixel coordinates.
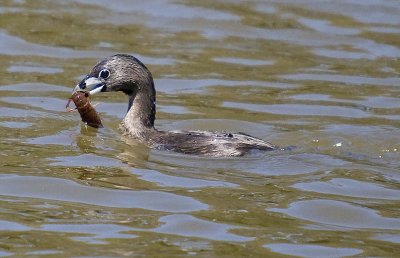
<point>215,144</point>
<point>127,74</point>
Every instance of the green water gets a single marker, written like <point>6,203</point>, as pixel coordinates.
<point>319,76</point>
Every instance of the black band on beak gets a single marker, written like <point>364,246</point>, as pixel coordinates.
<point>82,85</point>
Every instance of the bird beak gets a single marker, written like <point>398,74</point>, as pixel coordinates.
<point>92,85</point>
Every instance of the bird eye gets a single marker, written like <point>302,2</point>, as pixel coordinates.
<point>104,74</point>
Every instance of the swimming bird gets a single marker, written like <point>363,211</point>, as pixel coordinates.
<point>126,73</point>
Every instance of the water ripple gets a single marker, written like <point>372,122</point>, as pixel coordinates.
<point>309,250</point>
<point>349,187</point>
<point>68,191</point>
<point>300,109</point>
<point>12,45</point>
<point>340,214</point>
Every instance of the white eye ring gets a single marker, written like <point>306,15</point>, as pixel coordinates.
<point>104,74</point>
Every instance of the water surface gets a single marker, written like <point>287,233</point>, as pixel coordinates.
<point>318,78</point>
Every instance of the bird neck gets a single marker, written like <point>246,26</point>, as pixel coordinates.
<point>141,112</point>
